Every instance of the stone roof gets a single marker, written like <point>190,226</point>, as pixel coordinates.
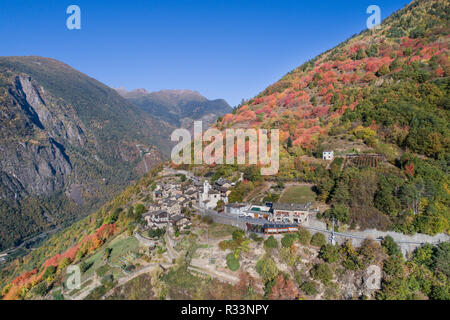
<point>177,217</point>
<point>160,213</point>
<point>236,205</point>
<point>222,181</point>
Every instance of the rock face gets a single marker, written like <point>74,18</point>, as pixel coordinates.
<point>33,169</point>
<point>67,143</point>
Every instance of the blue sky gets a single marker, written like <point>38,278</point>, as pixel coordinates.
<point>229,49</point>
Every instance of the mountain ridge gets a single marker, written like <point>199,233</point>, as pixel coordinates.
<point>179,107</point>
<point>67,141</point>
<point>384,91</point>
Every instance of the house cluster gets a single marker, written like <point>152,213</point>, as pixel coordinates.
<point>287,213</point>
<point>169,198</point>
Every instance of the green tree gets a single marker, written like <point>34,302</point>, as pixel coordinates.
<point>330,253</point>
<point>318,239</point>
<point>309,288</point>
<point>288,240</point>
<point>267,269</point>
<point>289,142</point>
<point>84,266</point>
<point>271,243</point>
<point>441,259</point>
<point>322,272</point>
<point>424,255</point>
<point>390,246</point>
<point>304,237</point>
<point>232,262</point>
<point>338,212</point>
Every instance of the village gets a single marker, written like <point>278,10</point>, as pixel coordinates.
<point>171,199</point>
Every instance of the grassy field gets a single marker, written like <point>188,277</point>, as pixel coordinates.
<point>120,246</point>
<point>139,288</point>
<point>217,231</point>
<point>298,194</point>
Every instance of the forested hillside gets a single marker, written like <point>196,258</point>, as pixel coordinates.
<point>384,92</point>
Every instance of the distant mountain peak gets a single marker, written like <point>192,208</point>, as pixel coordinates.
<point>179,107</point>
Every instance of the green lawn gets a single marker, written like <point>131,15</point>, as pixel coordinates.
<point>298,194</point>
<point>120,245</point>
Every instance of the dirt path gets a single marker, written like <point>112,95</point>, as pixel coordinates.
<point>221,276</point>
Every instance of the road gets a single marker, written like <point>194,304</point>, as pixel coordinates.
<point>233,219</point>
<point>407,243</point>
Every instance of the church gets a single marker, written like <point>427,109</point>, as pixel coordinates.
<point>208,198</point>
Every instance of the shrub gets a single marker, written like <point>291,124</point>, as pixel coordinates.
<point>232,262</point>
<point>271,243</point>
<point>84,266</point>
<point>303,236</point>
<point>267,269</point>
<point>57,295</point>
<point>50,270</point>
<point>441,259</point>
<point>309,288</point>
<point>41,289</point>
<point>330,253</point>
<point>238,234</point>
<point>288,240</point>
<point>390,246</point>
<point>318,239</point>
<point>253,236</point>
<point>322,272</point>
<point>384,70</point>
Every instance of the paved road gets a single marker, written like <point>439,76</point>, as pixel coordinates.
<point>229,218</point>
<point>407,243</point>
<point>222,276</point>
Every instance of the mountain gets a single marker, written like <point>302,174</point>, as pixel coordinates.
<point>385,92</point>
<point>67,143</point>
<point>178,107</point>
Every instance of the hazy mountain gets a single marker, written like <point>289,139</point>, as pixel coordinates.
<point>67,142</point>
<point>178,107</point>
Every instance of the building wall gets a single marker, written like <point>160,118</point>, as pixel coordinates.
<point>290,216</point>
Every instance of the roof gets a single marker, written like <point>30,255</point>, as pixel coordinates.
<point>222,181</point>
<point>292,206</point>
<point>177,217</point>
<point>161,213</point>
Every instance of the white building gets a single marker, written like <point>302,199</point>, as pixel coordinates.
<point>291,212</point>
<point>237,208</point>
<point>209,198</point>
<point>328,155</point>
